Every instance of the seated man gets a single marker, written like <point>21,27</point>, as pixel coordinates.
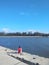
<point>19,50</point>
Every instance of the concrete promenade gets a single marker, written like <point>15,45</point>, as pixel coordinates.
<point>11,57</point>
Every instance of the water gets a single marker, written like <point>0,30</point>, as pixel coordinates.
<point>33,45</point>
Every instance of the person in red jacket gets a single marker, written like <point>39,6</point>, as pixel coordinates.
<point>19,50</point>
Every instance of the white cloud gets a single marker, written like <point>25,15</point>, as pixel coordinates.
<point>30,30</point>
<point>29,14</point>
<point>22,13</point>
<point>6,30</point>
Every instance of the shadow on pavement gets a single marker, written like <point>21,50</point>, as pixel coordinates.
<point>23,60</point>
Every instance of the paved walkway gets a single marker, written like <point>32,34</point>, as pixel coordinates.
<point>10,57</point>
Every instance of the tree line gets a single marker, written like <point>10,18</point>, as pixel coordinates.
<point>23,34</point>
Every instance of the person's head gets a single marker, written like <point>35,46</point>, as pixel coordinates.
<point>19,46</point>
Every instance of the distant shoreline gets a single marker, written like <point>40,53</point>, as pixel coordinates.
<point>24,36</point>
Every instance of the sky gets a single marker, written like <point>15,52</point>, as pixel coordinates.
<point>24,15</point>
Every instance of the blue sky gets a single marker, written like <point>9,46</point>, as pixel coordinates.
<point>24,15</point>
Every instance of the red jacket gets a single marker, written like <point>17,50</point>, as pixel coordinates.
<point>19,50</point>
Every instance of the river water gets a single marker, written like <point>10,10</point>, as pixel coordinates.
<point>33,45</point>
